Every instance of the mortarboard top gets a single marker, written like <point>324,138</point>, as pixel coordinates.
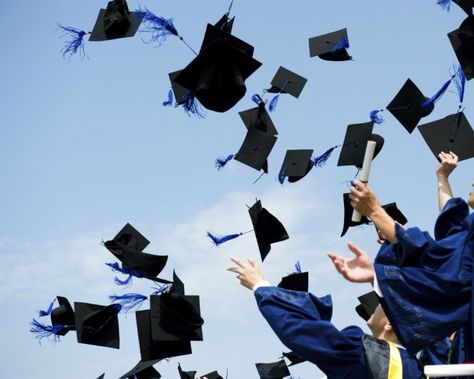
<point>212,375</point>
<point>406,106</point>
<point>143,370</point>
<point>258,118</point>
<point>179,92</point>
<point>355,143</point>
<point>395,213</point>
<point>63,315</point>
<point>462,40</point>
<point>222,31</point>
<point>217,74</point>
<point>145,265</point>
<point>326,46</point>
<point>274,370</point>
<point>97,324</point>
<point>293,358</point>
<point>465,5</point>
<point>255,149</point>
<point>150,349</point>
<point>185,374</point>
<point>297,281</point>
<point>286,81</point>
<point>267,228</point>
<point>296,165</point>
<point>176,316</point>
<point>129,239</point>
<point>102,376</point>
<point>348,210</point>
<point>116,21</point>
<point>368,303</point>
<point>452,133</point>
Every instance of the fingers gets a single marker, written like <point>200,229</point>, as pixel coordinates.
<point>353,248</point>
<point>238,262</point>
<point>252,262</point>
<point>235,269</point>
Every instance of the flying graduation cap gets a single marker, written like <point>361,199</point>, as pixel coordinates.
<point>368,303</point>
<point>465,5</point>
<point>285,82</point>
<point>216,77</point>
<point>462,41</point>
<point>330,46</point>
<point>273,370</point>
<point>143,370</point>
<point>296,281</point>
<point>348,211</point>
<point>293,358</point>
<point>116,21</point>
<point>267,228</point>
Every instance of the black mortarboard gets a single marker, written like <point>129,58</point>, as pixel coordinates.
<point>465,5</point>
<point>348,210</point>
<point>286,81</point>
<point>368,303</point>
<point>128,239</point>
<point>452,133</point>
<point>102,376</point>
<point>293,358</point>
<point>145,265</point>
<point>150,349</point>
<point>179,92</point>
<point>395,213</point>
<point>258,118</point>
<point>331,46</point>
<point>143,370</point>
<point>185,374</point>
<point>97,324</point>
<point>116,21</point>
<point>462,40</point>
<point>296,165</point>
<point>217,75</point>
<point>267,228</point>
<point>63,315</point>
<point>176,316</point>
<point>274,370</point>
<point>297,281</point>
<point>355,144</point>
<point>406,106</point>
<point>255,149</point>
<point>212,375</point>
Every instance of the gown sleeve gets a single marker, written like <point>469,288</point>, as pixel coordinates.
<point>302,322</point>
<point>450,220</point>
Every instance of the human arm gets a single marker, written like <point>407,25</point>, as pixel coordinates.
<point>364,201</point>
<point>359,269</point>
<point>448,162</point>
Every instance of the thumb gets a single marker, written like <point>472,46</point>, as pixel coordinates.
<point>357,251</point>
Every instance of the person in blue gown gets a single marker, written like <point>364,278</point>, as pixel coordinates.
<point>302,322</point>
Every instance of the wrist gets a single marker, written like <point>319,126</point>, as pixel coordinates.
<point>261,283</point>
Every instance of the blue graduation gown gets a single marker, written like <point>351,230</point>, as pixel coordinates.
<point>303,323</point>
<point>427,283</point>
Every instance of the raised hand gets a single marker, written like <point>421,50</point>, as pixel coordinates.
<point>359,269</point>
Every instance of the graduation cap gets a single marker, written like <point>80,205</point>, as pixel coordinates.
<point>102,376</point>
<point>128,239</point>
<point>176,316</point>
<point>465,5</point>
<point>274,370</point>
<point>348,210</point>
<point>258,118</point>
<point>266,227</point>
<point>97,324</point>
<point>178,91</point>
<point>212,375</point>
<point>185,374</point>
<point>217,75</point>
<point>330,46</point>
<point>296,165</point>
<point>285,81</point>
<point>293,358</point>
<point>355,143</point>
<point>451,133</point>
<point>150,349</point>
<point>368,303</point>
<point>143,370</point>
<point>296,281</point>
<point>395,213</point>
<point>255,149</point>
<point>462,41</point>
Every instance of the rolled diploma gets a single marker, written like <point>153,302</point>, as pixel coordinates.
<point>364,176</point>
<point>449,370</point>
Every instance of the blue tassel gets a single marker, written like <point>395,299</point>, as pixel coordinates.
<point>257,99</point>
<point>428,105</point>
<point>128,301</point>
<point>221,161</point>
<point>76,42</point>
<point>445,4</point>
<point>158,27</point>
<point>217,240</point>
<point>273,103</point>
<point>281,178</point>
<point>342,44</point>
<point>161,289</point>
<point>322,159</point>
<point>42,313</point>
<point>45,331</point>
<point>298,267</point>
<point>460,82</point>
<point>191,106</point>
<point>375,117</point>
<point>116,268</point>
<point>169,102</point>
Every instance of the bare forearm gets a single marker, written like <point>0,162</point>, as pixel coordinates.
<point>444,191</point>
<point>384,223</point>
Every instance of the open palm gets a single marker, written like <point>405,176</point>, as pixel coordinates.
<point>359,269</point>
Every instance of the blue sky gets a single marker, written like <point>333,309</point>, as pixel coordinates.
<point>87,146</point>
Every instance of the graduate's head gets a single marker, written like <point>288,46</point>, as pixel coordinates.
<point>470,199</point>
<point>380,326</point>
